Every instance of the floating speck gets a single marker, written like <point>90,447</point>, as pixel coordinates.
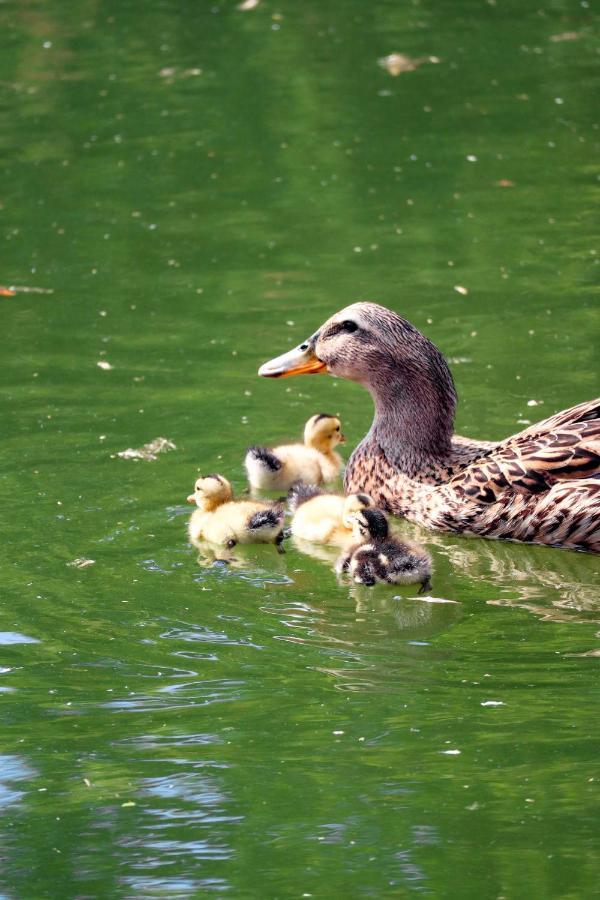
<point>492,703</point>
<point>471,157</point>
<point>104,364</point>
<point>451,752</point>
<point>397,63</point>
<point>564,36</point>
<point>461,289</point>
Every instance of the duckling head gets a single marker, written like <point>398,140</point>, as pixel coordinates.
<point>353,504</point>
<point>211,491</point>
<point>323,432</point>
<point>370,524</point>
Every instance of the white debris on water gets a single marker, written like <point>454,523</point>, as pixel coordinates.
<point>149,451</point>
<point>492,703</point>
<point>104,364</point>
<point>81,563</point>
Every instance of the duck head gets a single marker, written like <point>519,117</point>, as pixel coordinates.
<point>403,370</point>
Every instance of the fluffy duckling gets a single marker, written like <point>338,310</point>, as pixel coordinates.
<point>379,557</point>
<point>222,520</point>
<point>321,517</point>
<point>313,462</point>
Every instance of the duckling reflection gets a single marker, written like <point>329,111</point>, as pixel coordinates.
<point>312,462</point>
<point>252,559</point>
<point>377,556</point>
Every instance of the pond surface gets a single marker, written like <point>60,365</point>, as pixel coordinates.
<point>186,190</point>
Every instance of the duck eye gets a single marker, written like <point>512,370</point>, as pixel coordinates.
<point>348,326</point>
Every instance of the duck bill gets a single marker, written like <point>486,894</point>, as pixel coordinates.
<point>191,498</point>
<point>300,361</point>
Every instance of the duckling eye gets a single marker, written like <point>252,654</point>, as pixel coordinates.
<point>348,326</point>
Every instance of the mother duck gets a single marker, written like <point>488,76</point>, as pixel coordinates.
<point>541,485</point>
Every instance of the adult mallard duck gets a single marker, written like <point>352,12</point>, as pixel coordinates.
<point>541,485</point>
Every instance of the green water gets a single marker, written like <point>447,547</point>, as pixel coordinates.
<point>199,188</point>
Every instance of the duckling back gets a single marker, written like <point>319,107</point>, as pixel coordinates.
<point>378,556</point>
<point>321,517</point>
<point>393,562</point>
<point>279,468</point>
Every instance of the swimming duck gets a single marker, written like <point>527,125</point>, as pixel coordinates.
<point>222,520</point>
<point>323,518</point>
<point>313,462</point>
<point>379,557</point>
<point>541,485</point>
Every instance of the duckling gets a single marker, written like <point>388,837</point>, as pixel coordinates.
<point>222,520</point>
<point>321,517</point>
<point>377,556</point>
<point>313,462</point>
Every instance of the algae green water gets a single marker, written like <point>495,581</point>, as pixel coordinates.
<point>199,187</point>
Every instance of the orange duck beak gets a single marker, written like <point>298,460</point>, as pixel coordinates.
<point>301,360</point>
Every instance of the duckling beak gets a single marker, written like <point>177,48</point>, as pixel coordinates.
<point>191,498</point>
<point>342,438</point>
<point>301,360</point>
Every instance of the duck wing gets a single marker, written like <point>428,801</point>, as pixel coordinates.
<point>564,447</point>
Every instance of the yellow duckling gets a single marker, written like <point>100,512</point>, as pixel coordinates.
<point>323,518</point>
<point>377,556</point>
<point>222,520</point>
<point>313,462</point>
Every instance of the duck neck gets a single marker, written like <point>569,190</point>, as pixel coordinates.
<point>414,418</point>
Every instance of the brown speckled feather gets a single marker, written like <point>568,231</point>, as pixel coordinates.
<point>540,486</point>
